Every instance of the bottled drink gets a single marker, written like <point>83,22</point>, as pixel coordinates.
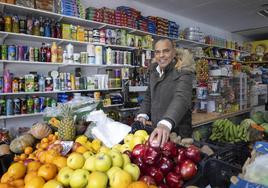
<point>41,82</point>
<point>2,22</point>
<point>47,28</point>
<point>43,53</point>
<point>48,50</point>
<point>42,29</point>
<point>54,53</point>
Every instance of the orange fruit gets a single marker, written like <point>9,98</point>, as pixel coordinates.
<point>17,170</point>
<point>44,145</point>
<point>28,150</point>
<point>5,185</point>
<point>152,186</point>
<point>23,156</point>
<point>51,155</point>
<point>47,171</point>
<point>29,176</point>
<point>31,156</point>
<point>38,146</point>
<point>17,183</point>
<point>42,156</point>
<point>6,178</point>
<point>50,137</point>
<point>138,184</point>
<point>33,166</point>
<point>36,182</point>
<point>60,162</point>
<point>16,158</point>
<point>44,140</point>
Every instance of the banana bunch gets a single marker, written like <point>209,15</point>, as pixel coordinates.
<point>224,130</point>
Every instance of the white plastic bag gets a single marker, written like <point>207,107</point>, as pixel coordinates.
<point>257,172</point>
<point>110,132</point>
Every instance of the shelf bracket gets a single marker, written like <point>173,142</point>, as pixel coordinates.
<point>104,25</point>
<point>60,18</point>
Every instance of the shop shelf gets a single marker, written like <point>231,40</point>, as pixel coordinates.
<point>113,105</point>
<point>21,116</point>
<point>192,43</point>
<point>116,46</point>
<point>137,88</point>
<point>51,92</point>
<point>219,59</point>
<point>63,64</point>
<point>22,36</point>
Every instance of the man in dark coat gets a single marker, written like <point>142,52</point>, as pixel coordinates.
<point>167,102</point>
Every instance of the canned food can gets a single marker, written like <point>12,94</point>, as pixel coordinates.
<point>36,54</point>
<point>36,105</point>
<point>2,107</point>
<point>17,106</point>
<point>42,103</point>
<point>12,52</point>
<point>23,106</point>
<point>4,52</point>
<point>31,54</point>
<point>30,105</point>
<point>9,107</point>
<point>20,54</point>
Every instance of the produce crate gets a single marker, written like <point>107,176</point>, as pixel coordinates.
<point>139,126</point>
<point>224,164</point>
<point>5,162</point>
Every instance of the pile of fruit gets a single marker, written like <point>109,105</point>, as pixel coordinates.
<point>223,130</point>
<point>169,166</point>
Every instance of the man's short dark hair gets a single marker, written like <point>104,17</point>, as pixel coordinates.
<point>162,39</point>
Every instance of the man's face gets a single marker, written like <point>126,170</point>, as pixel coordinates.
<point>164,53</point>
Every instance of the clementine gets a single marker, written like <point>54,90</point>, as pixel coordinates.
<point>17,170</point>
<point>138,184</point>
<point>47,171</point>
<point>33,166</point>
<point>36,182</point>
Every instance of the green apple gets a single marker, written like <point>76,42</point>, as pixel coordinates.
<point>64,176</point>
<point>137,140</point>
<point>97,180</point>
<point>104,149</point>
<point>87,154</point>
<point>142,133</point>
<point>117,159</point>
<point>126,159</point>
<point>103,162</point>
<point>111,171</point>
<point>75,161</point>
<point>79,178</point>
<point>120,179</point>
<point>53,184</point>
<point>117,147</point>
<point>128,138</point>
<point>89,164</point>
<point>125,147</point>
<point>133,170</point>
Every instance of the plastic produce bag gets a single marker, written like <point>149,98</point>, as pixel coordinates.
<point>110,132</point>
<point>257,171</point>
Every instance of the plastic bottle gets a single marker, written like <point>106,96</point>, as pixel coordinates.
<point>48,54</point>
<point>41,83</point>
<point>43,55</point>
<point>7,81</point>
<point>54,53</point>
<point>109,56</point>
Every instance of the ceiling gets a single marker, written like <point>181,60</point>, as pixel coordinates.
<point>237,16</point>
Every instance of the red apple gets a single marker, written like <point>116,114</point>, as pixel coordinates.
<point>148,180</point>
<point>193,153</point>
<point>151,156</point>
<point>139,150</point>
<point>169,149</point>
<point>177,169</point>
<point>181,157</point>
<point>188,169</point>
<point>165,165</point>
<point>138,161</point>
<point>173,180</point>
<point>156,174</point>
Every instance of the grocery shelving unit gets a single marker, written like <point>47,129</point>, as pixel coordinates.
<point>20,10</point>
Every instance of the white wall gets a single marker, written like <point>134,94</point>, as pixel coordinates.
<point>151,11</point>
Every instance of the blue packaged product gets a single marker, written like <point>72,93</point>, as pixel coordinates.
<point>11,52</point>
<point>9,107</point>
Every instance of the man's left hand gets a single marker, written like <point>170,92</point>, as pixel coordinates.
<point>159,136</point>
